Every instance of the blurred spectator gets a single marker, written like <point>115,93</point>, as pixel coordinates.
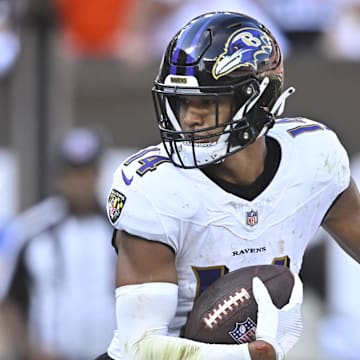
<point>92,28</point>
<point>341,40</point>
<point>58,302</point>
<point>9,186</point>
<point>154,23</point>
<point>300,15</point>
<point>303,21</point>
<point>9,38</point>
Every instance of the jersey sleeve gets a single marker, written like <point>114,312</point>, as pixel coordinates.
<point>133,206</point>
<point>335,173</point>
<point>320,154</point>
<point>316,163</point>
<point>344,169</point>
<point>335,164</point>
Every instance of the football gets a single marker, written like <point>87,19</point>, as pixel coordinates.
<point>226,312</point>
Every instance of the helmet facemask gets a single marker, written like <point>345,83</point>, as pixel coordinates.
<point>209,145</point>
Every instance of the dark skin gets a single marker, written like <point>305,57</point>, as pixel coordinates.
<point>142,261</point>
<point>343,219</point>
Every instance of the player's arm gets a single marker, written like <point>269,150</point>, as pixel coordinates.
<point>343,221</point>
<point>142,261</point>
<point>146,301</point>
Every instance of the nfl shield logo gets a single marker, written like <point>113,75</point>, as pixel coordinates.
<point>244,332</point>
<point>251,217</point>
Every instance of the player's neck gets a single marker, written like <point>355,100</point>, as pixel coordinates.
<point>243,167</point>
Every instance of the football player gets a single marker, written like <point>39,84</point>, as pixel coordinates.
<point>231,185</point>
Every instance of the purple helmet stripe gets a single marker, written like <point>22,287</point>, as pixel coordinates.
<point>190,70</point>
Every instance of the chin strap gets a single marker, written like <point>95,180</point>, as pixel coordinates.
<point>279,105</point>
<point>249,104</point>
<point>277,109</point>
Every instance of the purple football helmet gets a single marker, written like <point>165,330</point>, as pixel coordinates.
<point>219,54</point>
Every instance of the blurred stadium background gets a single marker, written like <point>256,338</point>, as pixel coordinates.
<point>67,63</point>
<point>55,83</point>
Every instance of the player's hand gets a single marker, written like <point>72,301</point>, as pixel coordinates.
<point>261,350</point>
<point>279,327</point>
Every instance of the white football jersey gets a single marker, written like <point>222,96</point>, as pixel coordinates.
<point>212,231</point>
